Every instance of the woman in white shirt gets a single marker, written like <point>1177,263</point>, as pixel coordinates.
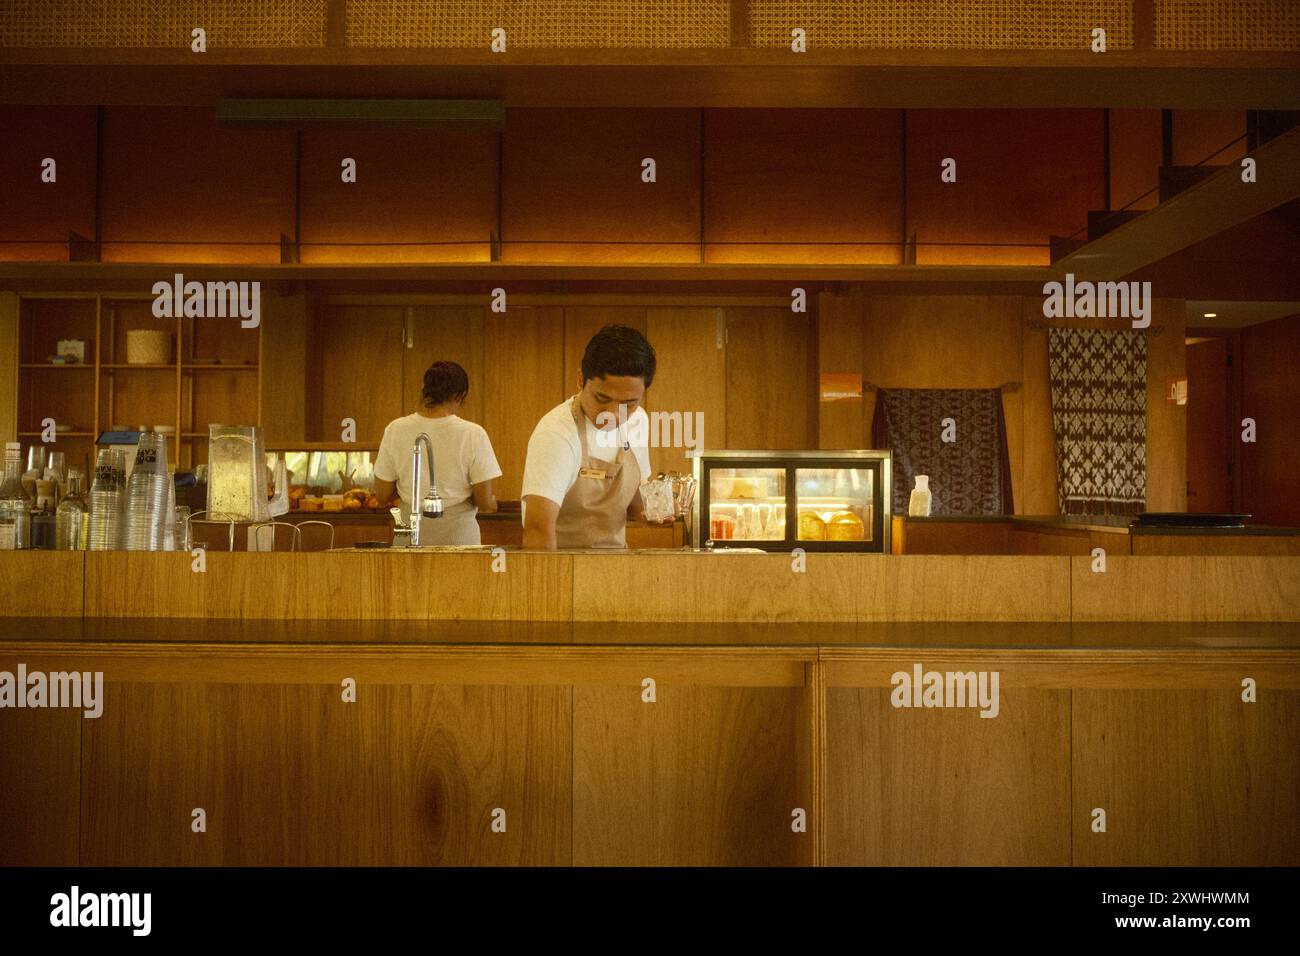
<point>463,466</point>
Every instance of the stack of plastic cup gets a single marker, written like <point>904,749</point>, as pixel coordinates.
<point>148,495</point>
<point>107,500</point>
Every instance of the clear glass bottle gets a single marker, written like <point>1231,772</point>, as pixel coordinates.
<point>35,469</point>
<point>71,518</point>
<point>15,506</point>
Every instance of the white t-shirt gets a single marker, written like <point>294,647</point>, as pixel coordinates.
<point>462,456</point>
<point>555,455</point>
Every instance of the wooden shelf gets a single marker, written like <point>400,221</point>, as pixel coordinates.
<point>175,394</point>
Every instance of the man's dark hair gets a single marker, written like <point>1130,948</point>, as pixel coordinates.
<point>618,350</point>
<point>443,382</point>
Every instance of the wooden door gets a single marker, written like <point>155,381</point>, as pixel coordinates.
<point>522,382</point>
<point>358,356</point>
<point>769,380</point>
<point>444,333</point>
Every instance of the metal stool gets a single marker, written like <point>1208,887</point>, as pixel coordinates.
<point>214,517</point>
<point>302,525</point>
<point>256,536</point>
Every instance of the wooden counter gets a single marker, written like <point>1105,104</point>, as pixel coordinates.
<point>351,528</point>
<point>751,725</point>
<point>652,586</point>
<point>1020,534</point>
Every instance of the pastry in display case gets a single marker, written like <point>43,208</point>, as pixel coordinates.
<point>778,501</point>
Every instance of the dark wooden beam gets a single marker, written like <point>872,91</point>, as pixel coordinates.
<point>755,80</point>
<point>1144,25</point>
<point>1216,204</point>
<point>1209,86</point>
<point>336,16</point>
<point>740,23</point>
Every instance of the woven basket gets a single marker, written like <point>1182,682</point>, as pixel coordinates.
<point>148,347</point>
<point>942,24</point>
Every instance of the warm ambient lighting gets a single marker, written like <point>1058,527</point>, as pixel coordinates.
<point>1209,315</point>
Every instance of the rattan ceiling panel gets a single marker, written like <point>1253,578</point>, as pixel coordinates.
<point>1228,25</point>
<point>162,23</point>
<point>606,24</point>
<point>943,24</point>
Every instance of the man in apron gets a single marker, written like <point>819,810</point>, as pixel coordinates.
<point>588,455</point>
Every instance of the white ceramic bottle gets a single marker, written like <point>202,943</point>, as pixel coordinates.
<point>919,504</point>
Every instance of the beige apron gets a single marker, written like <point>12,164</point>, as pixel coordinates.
<point>594,512</point>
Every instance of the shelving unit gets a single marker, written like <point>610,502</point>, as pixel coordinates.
<point>215,374</point>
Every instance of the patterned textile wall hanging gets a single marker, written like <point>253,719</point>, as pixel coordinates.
<point>968,476</point>
<point>1099,414</point>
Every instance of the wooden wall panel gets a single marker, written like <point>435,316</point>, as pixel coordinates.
<point>1202,588</point>
<point>1135,157</point>
<point>581,322</point>
<point>1212,137</point>
<point>285,323</point>
<point>842,322</point>
<point>949,342</point>
<point>42,583</point>
<point>357,350</point>
<point>1166,421</point>
<point>571,186</point>
<point>1187,778</point>
<point>1269,484</point>
<point>40,766</point>
<point>35,216</point>
<point>1038,542</point>
<point>445,333</point>
<point>191,190</point>
<point>769,196</point>
<point>835,587</point>
<point>1245,544</point>
<point>228,398</point>
<point>1210,435</point>
<point>946,787</point>
<point>403,776</point>
<point>704,776</point>
<point>396,585</point>
<point>1022,175</point>
<point>421,196</point>
<point>956,537</point>
<point>770,362</point>
<point>1039,494</point>
<point>691,378</point>
<point>523,380</point>
<point>9,358</point>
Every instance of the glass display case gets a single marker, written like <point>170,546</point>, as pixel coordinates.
<point>782,500</point>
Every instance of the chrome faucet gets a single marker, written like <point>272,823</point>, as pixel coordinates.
<point>431,506</point>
